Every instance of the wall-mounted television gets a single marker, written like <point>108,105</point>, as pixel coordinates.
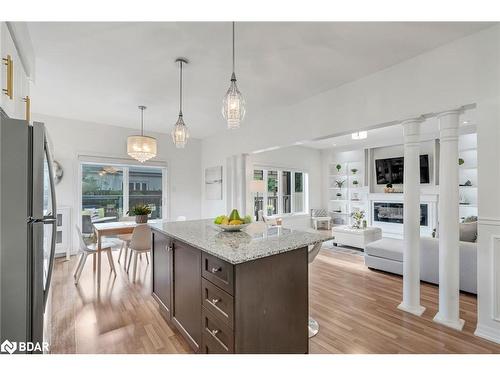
<point>390,171</point>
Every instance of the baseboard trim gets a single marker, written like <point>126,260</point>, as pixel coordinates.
<point>488,333</point>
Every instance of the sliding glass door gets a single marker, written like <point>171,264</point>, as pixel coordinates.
<point>109,191</point>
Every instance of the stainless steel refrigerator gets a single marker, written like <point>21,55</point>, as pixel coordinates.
<point>27,231</point>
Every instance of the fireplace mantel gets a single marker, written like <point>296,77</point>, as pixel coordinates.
<point>398,197</point>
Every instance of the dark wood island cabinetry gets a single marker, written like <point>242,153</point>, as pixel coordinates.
<point>243,292</point>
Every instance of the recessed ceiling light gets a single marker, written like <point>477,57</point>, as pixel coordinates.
<point>359,135</point>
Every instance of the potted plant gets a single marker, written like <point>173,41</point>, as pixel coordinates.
<point>354,170</point>
<point>270,209</point>
<point>461,161</point>
<point>339,183</point>
<point>141,212</point>
<point>355,183</point>
<point>358,217</point>
<point>339,167</point>
<point>339,195</point>
<point>388,188</point>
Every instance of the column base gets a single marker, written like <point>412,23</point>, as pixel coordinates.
<point>455,324</point>
<point>415,310</point>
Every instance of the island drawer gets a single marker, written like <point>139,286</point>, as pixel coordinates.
<point>217,338</point>
<point>218,272</point>
<point>215,300</point>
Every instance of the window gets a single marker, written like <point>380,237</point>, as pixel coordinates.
<point>285,191</point>
<point>104,197</point>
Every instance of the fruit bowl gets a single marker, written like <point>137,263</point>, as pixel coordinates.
<point>231,228</point>
<point>232,222</point>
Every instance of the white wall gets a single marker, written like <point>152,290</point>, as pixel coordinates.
<point>462,72</point>
<point>71,138</point>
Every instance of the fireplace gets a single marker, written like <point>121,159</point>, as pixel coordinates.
<point>392,212</point>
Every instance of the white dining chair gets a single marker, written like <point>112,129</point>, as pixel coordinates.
<point>139,244</point>
<point>125,240</point>
<point>91,249</point>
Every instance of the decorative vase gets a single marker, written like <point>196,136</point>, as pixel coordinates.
<point>141,219</point>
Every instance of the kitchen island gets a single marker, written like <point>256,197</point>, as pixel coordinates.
<point>234,292</point>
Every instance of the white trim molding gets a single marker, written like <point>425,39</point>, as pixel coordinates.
<point>487,333</point>
<point>495,246</point>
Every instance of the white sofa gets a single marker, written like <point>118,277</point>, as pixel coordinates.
<point>386,254</point>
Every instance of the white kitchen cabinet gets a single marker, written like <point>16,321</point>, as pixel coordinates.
<point>15,107</point>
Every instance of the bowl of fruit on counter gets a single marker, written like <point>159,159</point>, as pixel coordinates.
<point>232,222</point>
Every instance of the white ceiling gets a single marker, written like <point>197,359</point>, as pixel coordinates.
<point>101,72</point>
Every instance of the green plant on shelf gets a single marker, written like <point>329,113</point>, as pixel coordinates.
<point>354,170</point>
<point>339,167</point>
<point>355,183</point>
<point>339,183</point>
<point>461,161</point>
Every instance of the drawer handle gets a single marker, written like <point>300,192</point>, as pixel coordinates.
<point>216,269</point>
<point>214,333</point>
<point>215,301</point>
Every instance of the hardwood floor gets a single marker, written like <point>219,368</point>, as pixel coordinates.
<point>355,307</point>
<point>124,318</point>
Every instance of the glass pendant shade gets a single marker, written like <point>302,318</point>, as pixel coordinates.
<point>141,147</point>
<point>180,133</point>
<point>233,105</point>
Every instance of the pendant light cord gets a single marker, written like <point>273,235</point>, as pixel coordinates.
<point>233,47</point>
<point>180,91</point>
<point>142,121</point>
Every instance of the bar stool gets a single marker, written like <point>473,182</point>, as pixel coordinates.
<point>313,324</point>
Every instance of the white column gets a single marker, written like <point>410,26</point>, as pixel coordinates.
<point>449,254</point>
<point>411,219</point>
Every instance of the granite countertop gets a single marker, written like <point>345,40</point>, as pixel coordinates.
<point>253,242</point>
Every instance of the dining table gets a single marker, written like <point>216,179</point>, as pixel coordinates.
<point>109,229</point>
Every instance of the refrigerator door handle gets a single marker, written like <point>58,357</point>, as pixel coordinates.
<point>50,219</point>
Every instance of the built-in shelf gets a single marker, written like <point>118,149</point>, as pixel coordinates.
<point>467,205</point>
<point>467,168</point>
<point>468,149</point>
<point>467,187</point>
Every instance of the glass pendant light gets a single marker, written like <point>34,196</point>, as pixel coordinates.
<point>141,147</point>
<point>233,105</point>
<point>180,134</point>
